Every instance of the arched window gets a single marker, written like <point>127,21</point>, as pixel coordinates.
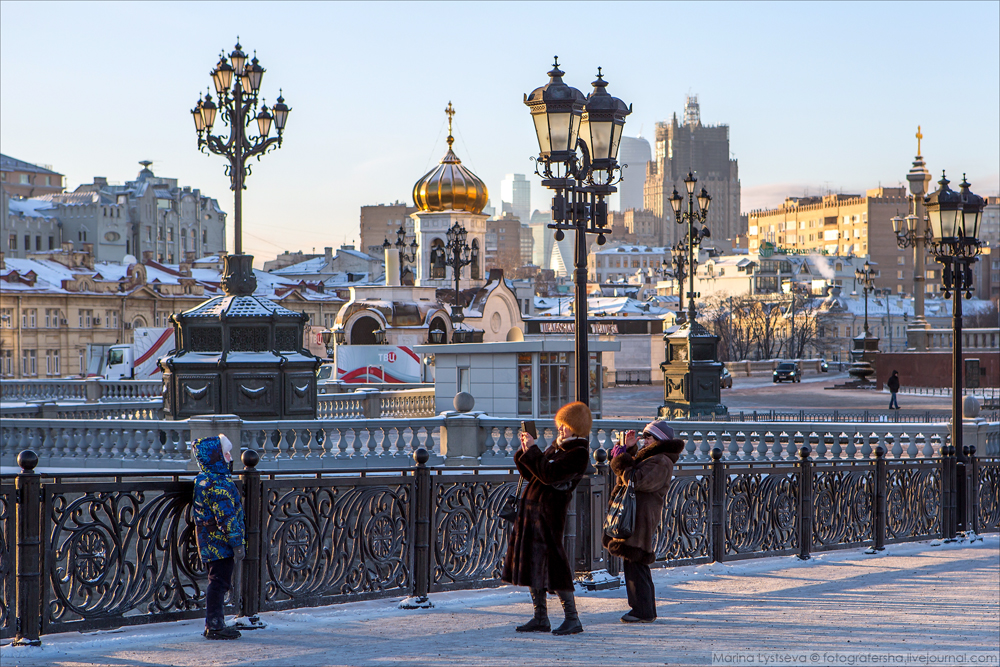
<point>474,267</point>
<point>363,331</point>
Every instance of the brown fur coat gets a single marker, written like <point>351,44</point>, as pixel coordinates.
<point>535,554</point>
<point>651,469</point>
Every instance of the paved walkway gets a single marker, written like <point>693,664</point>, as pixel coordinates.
<point>909,600</point>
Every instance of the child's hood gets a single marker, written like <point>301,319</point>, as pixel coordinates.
<point>210,453</point>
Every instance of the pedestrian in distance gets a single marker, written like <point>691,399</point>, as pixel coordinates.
<point>535,554</point>
<point>650,467</point>
<point>219,527</point>
<point>893,384</point>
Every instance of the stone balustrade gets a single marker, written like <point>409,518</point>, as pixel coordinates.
<point>972,339</point>
<point>90,390</point>
<point>454,439</point>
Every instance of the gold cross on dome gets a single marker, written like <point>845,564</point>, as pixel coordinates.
<point>918,135</point>
<point>451,113</point>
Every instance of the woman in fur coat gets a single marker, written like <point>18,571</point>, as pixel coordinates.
<point>651,468</point>
<point>535,554</point>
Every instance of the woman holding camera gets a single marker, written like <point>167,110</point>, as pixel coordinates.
<point>535,554</point>
<point>650,467</point>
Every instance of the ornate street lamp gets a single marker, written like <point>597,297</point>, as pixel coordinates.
<point>691,372</point>
<point>864,348</point>
<point>239,353</point>
<point>913,232</point>
<point>578,142</point>
<point>457,256</point>
<point>954,222</point>
<point>237,86</point>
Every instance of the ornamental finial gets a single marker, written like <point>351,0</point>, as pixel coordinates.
<point>451,112</point>
<point>919,137</point>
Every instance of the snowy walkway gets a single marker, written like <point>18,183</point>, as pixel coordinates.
<point>912,598</point>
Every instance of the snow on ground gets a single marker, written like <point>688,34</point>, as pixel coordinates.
<point>909,599</point>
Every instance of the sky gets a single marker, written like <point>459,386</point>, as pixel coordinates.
<point>818,96</point>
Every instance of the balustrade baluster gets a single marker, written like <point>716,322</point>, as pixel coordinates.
<point>897,449</point>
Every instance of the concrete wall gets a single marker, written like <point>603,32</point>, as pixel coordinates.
<point>493,379</point>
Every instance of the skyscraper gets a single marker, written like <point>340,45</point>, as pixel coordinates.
<point>635,152</point>
<point>704,150</point>
<point>515,189</point>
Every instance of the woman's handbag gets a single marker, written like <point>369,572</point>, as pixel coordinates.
<point>508,511</point>
<point>620,521</point>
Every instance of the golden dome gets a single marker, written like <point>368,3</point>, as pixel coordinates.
<point>450,186</point>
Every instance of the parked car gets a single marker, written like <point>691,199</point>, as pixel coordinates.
<point>726,379</point>
<point>823,366</point>
<point>787,371</point>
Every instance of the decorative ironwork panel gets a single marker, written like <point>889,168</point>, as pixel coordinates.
<point>205,339</point>
<point>335,540</point>
<point>913,500</point>
<point>248,339</point>
<point>286,339</point>
<point>119,554</point>
<point>469,538</point>
<point>8,502</point>
<point>843,504</point>
<point>988,495</point>
<point>762,510</point>
<point>684,533</point>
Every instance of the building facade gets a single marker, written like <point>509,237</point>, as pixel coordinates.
<point>23,179</point>
<point>381,222</point>
<point>703,150</point>
<point>515,190</point>
<point>636,153</point>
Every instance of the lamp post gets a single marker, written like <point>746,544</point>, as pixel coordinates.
<point>692,217</point>
<point>237,84</point>
<point>458,255</point>
<point>680,263</point>
<point>401,246</point>
<point>954,222</point>
<point>691,372</point>
<point>864,348</point>
<point>578,141</point>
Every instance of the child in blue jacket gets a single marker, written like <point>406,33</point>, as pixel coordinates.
<point>218,517</point>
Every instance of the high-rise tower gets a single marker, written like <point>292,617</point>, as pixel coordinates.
<point>704,150</point>
<point>636,153</point>
<point>515,189</point>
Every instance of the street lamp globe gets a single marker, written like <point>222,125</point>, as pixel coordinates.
<point>280,113</point>
<point>689,182</point>
<point>557,110</point>
<point>264,119</point>
<point>222,76</point>
<point>972,212</point>
<point>675,203</point>
<point>943,208</point>
<point>208,110</point>
<point>704,200</point>
<point>238,58</point>
<point>602,124</point>
<point>254,73</point>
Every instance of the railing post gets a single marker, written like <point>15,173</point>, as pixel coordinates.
<point>251,574</point>
<point>972,490</point>
<point>881,484</point>
<point>805,503</point>
<point>718,506</point>
<point>421,508</point>
<point>93,390</point>
<point>947,493</point>
<point>29,552</point>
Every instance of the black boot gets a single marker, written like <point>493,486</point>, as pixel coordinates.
<point>540,621</point>
<point>572,624</point>
<point>224,632</point>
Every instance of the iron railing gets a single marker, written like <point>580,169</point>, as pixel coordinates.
<point>99,552</point>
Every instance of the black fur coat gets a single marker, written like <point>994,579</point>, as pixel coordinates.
<point>535,554</point>
<point>651,468</point>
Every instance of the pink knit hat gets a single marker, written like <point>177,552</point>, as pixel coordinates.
<point>659,430</point>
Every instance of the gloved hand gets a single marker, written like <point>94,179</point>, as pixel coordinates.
<point>616,450</point>
<point>239,553</point>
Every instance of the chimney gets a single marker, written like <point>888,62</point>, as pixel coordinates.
<point>87,255</point>
<point>329,253</point>
<point>67,247</point>
<point>3,264</point>
<point>101,181</point>
<point>147,256</point>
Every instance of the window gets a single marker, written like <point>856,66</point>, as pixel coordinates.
<point>204,236</point>
<point>86,317</point>
<point>25,180</point>
<point>81,359</point>
<point>27,243</point>
<point>29,318</point>
<point>554,383</point>
<point>901,260</point>
<point>29,363</point>
<point>52,362</point>
<point>51,318</point>
<point>38,243</point>
<point>524,383</point>
<point>48,180</point>
<point>149,233</point>
<point>899,274</point>
<point>6,363</point>
<point>930,274</point>
<point>52,243</point>
<point>12,242</point>
<point>7,318</point>
<point>465,379</point>
<point>170,234</point>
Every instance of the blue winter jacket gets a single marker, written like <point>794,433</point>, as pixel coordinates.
<point>217,509</point>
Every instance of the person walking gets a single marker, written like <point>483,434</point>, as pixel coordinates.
<point>535,554</point>
<point>893,384</point>
<point>219,528</point>
<point>650,467</point>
